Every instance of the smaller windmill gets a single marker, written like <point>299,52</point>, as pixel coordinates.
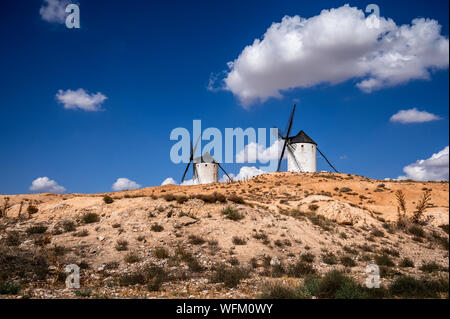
<point>301,148</point>
<point>206,169</point>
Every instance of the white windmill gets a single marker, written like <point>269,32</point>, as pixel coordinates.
<point>206,169</point>
<point>302,156</point>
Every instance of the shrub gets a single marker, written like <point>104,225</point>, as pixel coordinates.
<point>384,260</point>
<point>406,262</point>
<point>32,209</point>
<point>345,190</point>
<point>157,227</point>
<point>135,278</point>
<point>83,292</point>
<point>121,245</point>
<point>37,229</point>
<point>444,227</point>
<point>69,225</point>
<point>196,240</point>
<point>331,283</point>
<point>391,252</point>
<point>229,276</point>
<point>89,218</point>
<point>313,207</point>
<point>81,233</point>
<point>12,238</point>
<point>161,253</point>
<point>300,269</point>
<point>416,230</point>
<point>307,257</point>
<point>108,199</point>
<point>181,199</point>
<point>132,258</point>
<point>377,233</point>
<point>236,199</point>
<point>329,258</point>
<point>278,291</point>
<point>409,287</point>
<point>348,261</point>
<point>169,197</point>
<point>431,266</point>
<point>9,288</point>
<point>239,241</point>
<point>232,214</point>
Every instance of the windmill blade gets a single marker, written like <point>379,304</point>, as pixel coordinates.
<point>291,150</point>
<point>229,178</point>
<point>195,147</point>
<point>185,171</point>
<point>327,161</point>
<point>191,158</point>
<point>291,118</point>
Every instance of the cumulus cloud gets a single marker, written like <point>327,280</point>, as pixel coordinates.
<point>253,152</point>
<point>435,168</point>
<point>80,99</point>
<point>46,185</point>
<point>169,180</point>
<point>246,172</point>
<point>54,10</point>
<point>413,116</point>
<point>123,184</point>
<point>333,47</point>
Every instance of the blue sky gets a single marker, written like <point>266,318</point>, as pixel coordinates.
<point>153,60</point>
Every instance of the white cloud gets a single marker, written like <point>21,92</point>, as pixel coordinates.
<point>80,99</point>
<point>333,47</point>
<point>169,180</point>
<point>54,10</point>
<point>434,168</point>
<point>123,184</point>
<point>413,116</point>
<point>46,185</point>
<point>253,152</point>
<point>246,172</point>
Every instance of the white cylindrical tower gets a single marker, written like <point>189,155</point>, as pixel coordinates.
<point>206,173</point>
<point>304,157</point>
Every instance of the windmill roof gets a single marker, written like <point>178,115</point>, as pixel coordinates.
<point>301,137</point>
<point>205,158</point>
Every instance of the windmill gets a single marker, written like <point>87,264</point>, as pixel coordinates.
<point>205,167</point>
<point>301,148</point>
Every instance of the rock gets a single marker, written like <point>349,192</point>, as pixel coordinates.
<point>275,261</point>
<point>101,238</point>
<point>185,221</point>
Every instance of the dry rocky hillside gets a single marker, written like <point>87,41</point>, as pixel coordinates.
<point>276,235</point>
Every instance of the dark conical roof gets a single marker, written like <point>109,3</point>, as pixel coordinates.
<point>205,158</point>
<point>301,137</point>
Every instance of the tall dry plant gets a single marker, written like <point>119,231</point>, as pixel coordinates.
<point>421,207</point>
<point>402,220</point>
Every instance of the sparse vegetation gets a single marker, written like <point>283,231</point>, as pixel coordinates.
<point>108,199</point>
<point>229,276</point>
<point>232,214</point>
<point>239,240</point>
<point>36,229</point>
<point>121,245</point>
<point>89,218</point>
<point>157,228</point>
